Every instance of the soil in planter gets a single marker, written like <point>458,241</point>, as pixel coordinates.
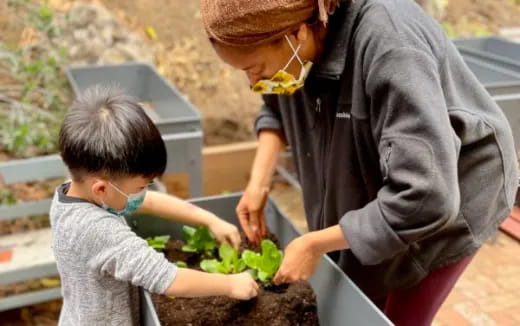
<point>293,304</point>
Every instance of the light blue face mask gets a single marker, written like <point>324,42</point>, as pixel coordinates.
<point>133,202</point>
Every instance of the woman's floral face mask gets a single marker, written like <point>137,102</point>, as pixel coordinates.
<point>284,83</point>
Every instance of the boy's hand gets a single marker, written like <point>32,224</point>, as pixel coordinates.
<point>242,286</point>
<point>225,232</point>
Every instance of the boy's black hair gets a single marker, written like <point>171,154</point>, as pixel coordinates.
<point>107,132</point>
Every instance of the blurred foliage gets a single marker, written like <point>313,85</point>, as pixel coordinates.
<point>34,92</point>
<point>7,197</point>
<point>466,29</point>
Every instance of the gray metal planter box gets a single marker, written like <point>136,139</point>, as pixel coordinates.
<point>491,46</point>
<point>173,115</point>
<point>32,257</point>
<point>510,105</point>
<point>495,62</point>
<point>340,302</point>
<point>496,79</point>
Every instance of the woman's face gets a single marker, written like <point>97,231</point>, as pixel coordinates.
<point>262,62</point>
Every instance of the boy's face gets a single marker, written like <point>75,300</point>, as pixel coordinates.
<point>103,190</point>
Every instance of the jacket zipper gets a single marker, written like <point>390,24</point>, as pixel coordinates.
<point>386,162</point>
<point>323,136</point>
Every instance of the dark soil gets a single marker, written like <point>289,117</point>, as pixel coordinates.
<point>293,304</point>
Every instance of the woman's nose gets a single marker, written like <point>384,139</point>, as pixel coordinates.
<point>253,78</point>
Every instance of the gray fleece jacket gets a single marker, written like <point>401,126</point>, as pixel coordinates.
<point>396,140</point>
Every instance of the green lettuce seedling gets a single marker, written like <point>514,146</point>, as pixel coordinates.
<point>181,264</point>
<point>199,240</point>
<point>158,243</point>
<point>264,264</point>
<point>230,262</point>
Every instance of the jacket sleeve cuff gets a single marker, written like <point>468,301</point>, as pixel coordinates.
<point>267,119</point>
<point>165,279</point>
<point>370,237</point>
<point>267,122</point>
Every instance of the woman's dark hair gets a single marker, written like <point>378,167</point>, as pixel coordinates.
<point>107,132</point>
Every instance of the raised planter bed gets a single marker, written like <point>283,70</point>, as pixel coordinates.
<point>495,62</point>
<point>496,79</point>
<point>339,301</point>
<point>491,47</point>
<point>510,105</point>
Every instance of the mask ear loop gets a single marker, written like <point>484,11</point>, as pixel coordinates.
<point>119,190</point>
<point>295,54</point>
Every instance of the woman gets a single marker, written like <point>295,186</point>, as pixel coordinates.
<point>407,165</point>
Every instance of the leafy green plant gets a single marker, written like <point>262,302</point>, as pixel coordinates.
<point>158,243</point>
<point>181,264</point>
<point>7,197</point>
<point>199,240</point>
<point>266,263</point>
<point>34,92</point>
<point>230,262</point>
<point>449,29</point>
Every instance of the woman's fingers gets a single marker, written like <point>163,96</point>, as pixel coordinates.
<point>255,226</point>
<point>243,218</point>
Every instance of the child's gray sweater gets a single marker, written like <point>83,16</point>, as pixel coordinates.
<point>101,263</point>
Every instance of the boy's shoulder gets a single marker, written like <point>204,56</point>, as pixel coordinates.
<point>73,220</point>
<point>62,203</point>
<point>71,213</point>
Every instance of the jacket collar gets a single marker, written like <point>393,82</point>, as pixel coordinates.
<point>337,42</point>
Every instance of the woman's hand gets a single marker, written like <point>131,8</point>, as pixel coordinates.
<point>303,254</point>
<point>250,212</point>
<point>299,262</point>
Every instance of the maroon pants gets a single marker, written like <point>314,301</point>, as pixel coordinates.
<point>418,305</point>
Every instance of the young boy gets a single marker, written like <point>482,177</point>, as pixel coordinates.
<point>113,151</point>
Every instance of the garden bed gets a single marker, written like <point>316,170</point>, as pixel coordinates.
<point>294,304</point>
<point>339,301</point>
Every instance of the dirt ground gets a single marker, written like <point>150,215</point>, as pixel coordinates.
<point>482,16</point>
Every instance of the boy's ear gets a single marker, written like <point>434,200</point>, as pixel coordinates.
<point>99,188</point>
